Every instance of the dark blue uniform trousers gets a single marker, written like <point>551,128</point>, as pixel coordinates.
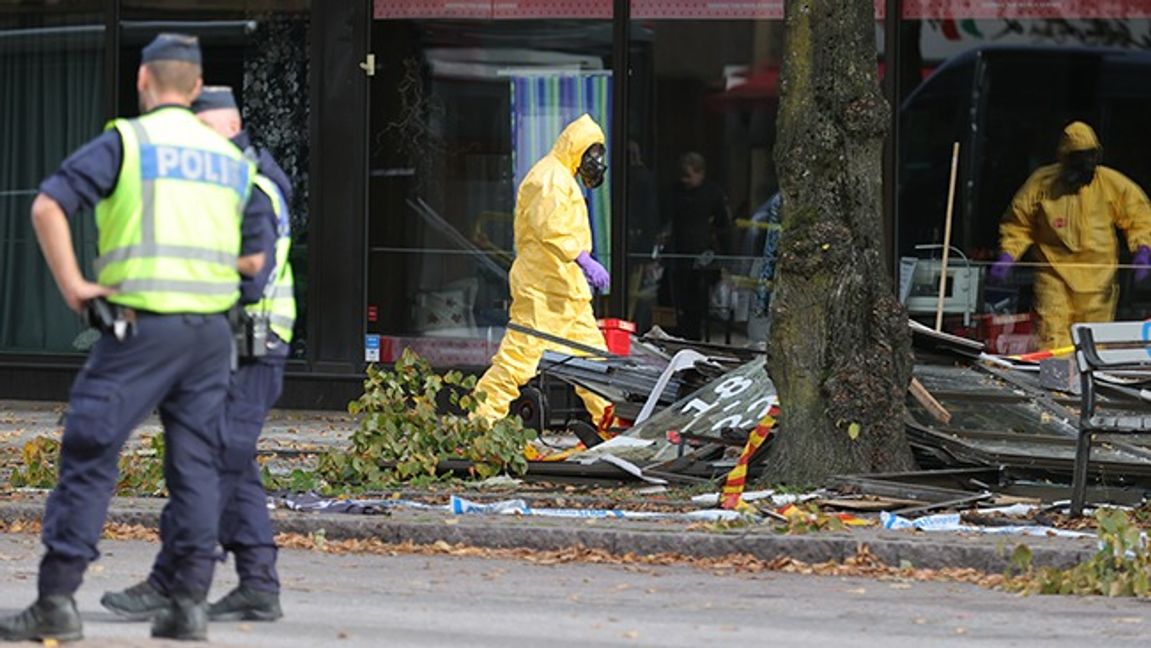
<point>245,529</point>
<point>180,364</point>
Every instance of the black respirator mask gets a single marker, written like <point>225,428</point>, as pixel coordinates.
<point>1078,168</point>
<point>593,165</point>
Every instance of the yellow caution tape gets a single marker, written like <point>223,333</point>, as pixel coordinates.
<point>1044,354</point>
<point>737,479</point>
<point>532,453</point>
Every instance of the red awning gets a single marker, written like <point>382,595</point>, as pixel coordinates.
<point>763,86</point>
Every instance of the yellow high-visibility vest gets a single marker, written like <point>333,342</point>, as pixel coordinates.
<point>279,300</point>
<point>169,234</point>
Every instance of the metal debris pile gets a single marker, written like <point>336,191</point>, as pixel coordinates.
<point>986,430</point>
<point>688,410</point>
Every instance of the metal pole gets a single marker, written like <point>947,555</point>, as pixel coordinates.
<point>621,72</point>
<point>893,60</point>
<point>946,239</point>
<point>111,59</point>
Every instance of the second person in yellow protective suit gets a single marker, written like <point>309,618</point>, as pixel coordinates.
<point>553,271</point>
<point>1069,212</point>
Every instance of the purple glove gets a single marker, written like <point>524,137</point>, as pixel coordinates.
<point>1142,263</point>
<point>1002,268</point>
<point>597,277</point>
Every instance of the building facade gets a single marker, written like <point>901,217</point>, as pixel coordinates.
<point>407,124</point>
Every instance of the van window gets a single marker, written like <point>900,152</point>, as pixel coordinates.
<point>931,120</point>
<point>1027,98</point>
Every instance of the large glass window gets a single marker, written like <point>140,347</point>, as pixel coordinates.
<point>466,98</point>
<point>260,49</point>
<point>51,101</point>
<point>704,95</point>
<point>703,203</point>
<point>471,94</point>
<point>1004,82</point>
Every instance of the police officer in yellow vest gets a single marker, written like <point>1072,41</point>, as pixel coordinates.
<point>170,195</point>
<point>245,529</point>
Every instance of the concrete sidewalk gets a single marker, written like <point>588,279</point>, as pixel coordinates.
<point>897,548</point>
<point>302,431</point>
<point>21,421</point>
<point>287,433</point>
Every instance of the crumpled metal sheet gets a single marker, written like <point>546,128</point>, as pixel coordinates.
<point>736,401</point>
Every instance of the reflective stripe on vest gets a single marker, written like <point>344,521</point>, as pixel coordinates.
<point>170,231</point>
<point>284,322</point>
<point>279,299</point>
<point>175,285</point>
<point>280,291</point>
<point>150,250</point>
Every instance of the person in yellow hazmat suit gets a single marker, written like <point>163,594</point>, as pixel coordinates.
<point>1069,212</point>
<point>553,273</point>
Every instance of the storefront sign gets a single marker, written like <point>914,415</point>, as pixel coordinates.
<point>593,9</point>
<point>520,9</point>
<point>738,400</point>
<point>946,9</point>
<point>751,9</point>
<point>396,9</point>
<point>706,9</point>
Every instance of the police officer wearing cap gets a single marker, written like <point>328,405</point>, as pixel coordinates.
<point>170,196</point>
<point>245,529</point>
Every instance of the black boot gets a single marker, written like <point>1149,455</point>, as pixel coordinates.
<point>139,602</point>
<point>50,617</point>
<point>185,619</point>
<point>246,604</point>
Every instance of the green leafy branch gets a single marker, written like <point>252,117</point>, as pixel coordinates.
<point>403,436</point>
<point>1121,566</point>
<point>141,470</point>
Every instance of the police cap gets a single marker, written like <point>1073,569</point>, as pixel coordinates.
<point>213,98</point>
<point>172,47</point>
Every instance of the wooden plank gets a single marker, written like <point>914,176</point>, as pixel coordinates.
<point>924,397</point>
<point>946,240</point>
<point>867,503</point>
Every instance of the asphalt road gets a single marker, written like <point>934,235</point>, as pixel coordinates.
<point>369,600</point>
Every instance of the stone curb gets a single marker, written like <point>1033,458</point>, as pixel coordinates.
<point>983,554</point>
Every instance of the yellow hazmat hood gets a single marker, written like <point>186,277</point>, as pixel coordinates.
<point>575,139</point>
<point>1077,137</point>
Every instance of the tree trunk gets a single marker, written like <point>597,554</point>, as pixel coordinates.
<point>840,348</point>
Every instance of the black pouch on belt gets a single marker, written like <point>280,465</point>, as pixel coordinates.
<point>250,334</point>
<point>101,314</point>
<point>111,318</point>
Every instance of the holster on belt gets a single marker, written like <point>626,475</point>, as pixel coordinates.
<point>107,317</point>
<point>249,333</point>
<point>101,314</point>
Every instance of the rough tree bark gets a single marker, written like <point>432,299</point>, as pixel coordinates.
<point>840,350</point>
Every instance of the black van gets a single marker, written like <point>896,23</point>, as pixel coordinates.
<point>1007,107</point>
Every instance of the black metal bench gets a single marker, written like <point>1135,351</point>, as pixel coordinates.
<point>1112,346</point>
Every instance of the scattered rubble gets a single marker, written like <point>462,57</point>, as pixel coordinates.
<point>986,430</point>
<point>994,437</point>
